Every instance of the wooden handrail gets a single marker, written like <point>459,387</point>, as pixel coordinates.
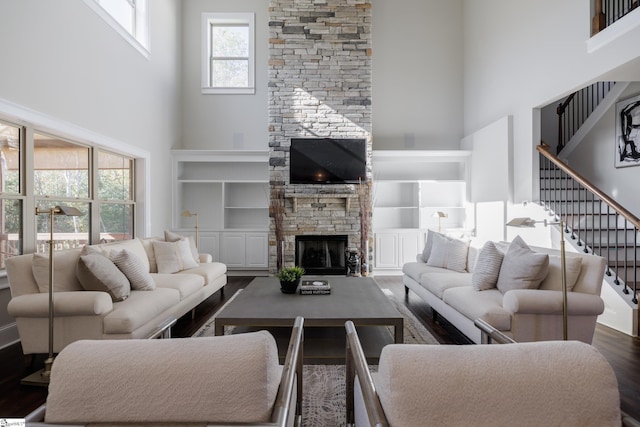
<point>544,150</point>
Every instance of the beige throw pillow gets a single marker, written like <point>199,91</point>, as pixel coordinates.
<point>96,272</point>
<point>174,237</point>
<point>134,269</point>
<point>553,281</point>
<point>173,257</point>
<point>487,267</point>
<point>448,253</point>
<point>64,271</point>
<point>521,267</point>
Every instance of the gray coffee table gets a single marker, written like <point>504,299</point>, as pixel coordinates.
<point>261,304</point>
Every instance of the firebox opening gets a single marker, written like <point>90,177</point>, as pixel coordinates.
<point>322,254</point>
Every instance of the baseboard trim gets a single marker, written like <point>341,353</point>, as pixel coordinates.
<point>9,335</point>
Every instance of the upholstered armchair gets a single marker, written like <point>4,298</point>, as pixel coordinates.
<point>551,383</point>
<point>227,380</point>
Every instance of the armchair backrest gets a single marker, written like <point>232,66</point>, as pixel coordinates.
<point>227,380</point>
<point>542,383</point>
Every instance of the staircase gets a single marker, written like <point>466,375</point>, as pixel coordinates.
<point>594,223</point>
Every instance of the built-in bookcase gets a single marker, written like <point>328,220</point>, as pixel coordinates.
<point>229,190</point>
<point>410,187</point>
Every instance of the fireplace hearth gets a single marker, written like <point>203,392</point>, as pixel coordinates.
<point>323,255</point>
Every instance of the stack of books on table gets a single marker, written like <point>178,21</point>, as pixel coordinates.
<point>315,287</point>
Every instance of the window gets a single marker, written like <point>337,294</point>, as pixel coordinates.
<point>115,190</point>
<point>228,53</point>
<point>11,199</point>
<point>61,177</point>
<point>130,18</point>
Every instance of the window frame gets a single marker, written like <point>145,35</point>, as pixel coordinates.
<point>139,39</point>
<point>210,19</point>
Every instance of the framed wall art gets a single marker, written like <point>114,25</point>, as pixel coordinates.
<point>628,133</point>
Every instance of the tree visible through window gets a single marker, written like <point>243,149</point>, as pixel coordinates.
<point>11,200</point>
<point>228,53</point>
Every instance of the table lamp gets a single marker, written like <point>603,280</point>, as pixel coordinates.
<point>188,214</point>
<point>440,215</point>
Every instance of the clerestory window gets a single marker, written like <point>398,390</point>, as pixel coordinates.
<point>130,18</point>
<point>228,53</point>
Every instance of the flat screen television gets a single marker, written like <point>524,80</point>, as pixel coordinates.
<point>327,161</point>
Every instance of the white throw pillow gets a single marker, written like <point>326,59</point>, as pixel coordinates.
<point>487,267</point>
<point>448,253</point>
<point>521,267</point>
<point>174,237</point>
<point>173,257</point>
<point>134,269</point>
<point>553,281</point>
<point>426,252</point>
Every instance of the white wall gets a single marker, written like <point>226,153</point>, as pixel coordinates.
<point>223,122</point>
<point>62,61</point>
<point>594,159</point>
<point>417,79</point>
<point>522,55</point>
<point>417,74</point>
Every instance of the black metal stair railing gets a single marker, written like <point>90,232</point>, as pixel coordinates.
<point>598,223</point>
<point>576,108</point>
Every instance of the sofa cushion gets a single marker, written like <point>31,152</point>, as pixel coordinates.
<point>209,271</point>
<point>487,267</point>
<point>553,281</point>
<point>133,245</point>
<point>140,308</point>
<point>486,305</point>
<point>437,283</point>
<point>415,270</point>
<point>227,379</point>
<point>521,267</point>
<point>186,285</point>
<point>96,272</point>
<point>134,269</point>
<point>64,271</point>
<point>173,257</point>
<point>448,253</point>
<point>174,237</point>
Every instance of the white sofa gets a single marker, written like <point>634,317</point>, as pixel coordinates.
<point>551,383</point>
<point>87,314</point>
<point>522,314</point>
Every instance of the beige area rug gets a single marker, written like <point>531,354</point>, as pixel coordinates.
<point>324,385</point>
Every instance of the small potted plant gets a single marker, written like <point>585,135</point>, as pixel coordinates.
<point>290,279</point>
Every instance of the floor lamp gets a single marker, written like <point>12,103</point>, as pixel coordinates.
<point>42,376</point>
<point>440,215</point>
<point>529,222</point>
<point>188,214</point>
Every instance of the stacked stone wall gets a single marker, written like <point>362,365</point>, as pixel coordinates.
<point>319,86</point>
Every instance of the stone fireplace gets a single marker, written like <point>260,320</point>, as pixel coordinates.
<point>319,86</point>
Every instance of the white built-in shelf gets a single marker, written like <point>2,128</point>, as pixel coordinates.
<point>409,188</point>
<point>229,190</point>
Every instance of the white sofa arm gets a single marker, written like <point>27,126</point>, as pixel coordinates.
<point>80,303</point>
<point>205,258</point>
<point>535,301</point>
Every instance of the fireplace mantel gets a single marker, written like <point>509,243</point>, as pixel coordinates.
<point>295,196</point>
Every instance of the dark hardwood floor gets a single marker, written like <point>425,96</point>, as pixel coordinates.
<point>622,351</point>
